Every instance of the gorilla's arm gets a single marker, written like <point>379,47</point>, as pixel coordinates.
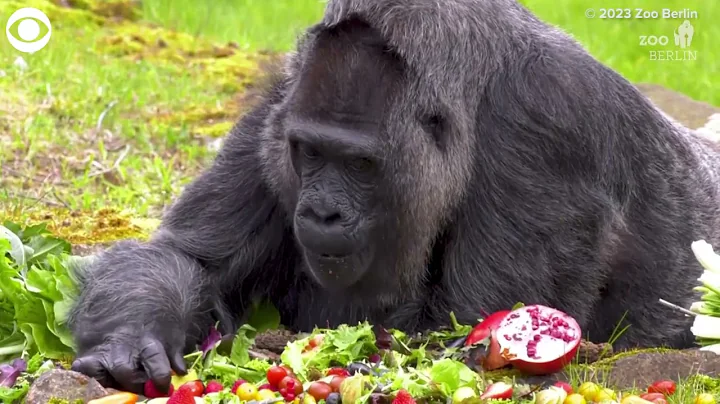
<point>145,302</point>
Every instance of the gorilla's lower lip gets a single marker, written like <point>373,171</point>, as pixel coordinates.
<point>334,257</point>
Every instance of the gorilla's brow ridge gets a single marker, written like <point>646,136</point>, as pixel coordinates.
<point>350,141</point>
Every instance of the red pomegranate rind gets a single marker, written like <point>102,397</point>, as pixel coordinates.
<point>482,329</point>
<point>493,358</point>
<point>538,339</point>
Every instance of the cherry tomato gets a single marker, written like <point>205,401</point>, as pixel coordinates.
<point>604,394</point>
<point>565,386</point>
<point>335,383</point>
<point>196,388</point>
<point>247,391</point>
<point>289,371</point>
<point>291,386</point>
<point>666,387</point>
<point>337,372</point>
<point>575,398</point>
<point>589,390</point>
<point>265,394</point>
<point>705,398</point>
<point>316,340</point>
<point>275,374</point>
<point>656,398</point>
<point>319,390</point>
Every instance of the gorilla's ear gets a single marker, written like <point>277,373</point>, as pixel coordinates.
<point>436,126</point>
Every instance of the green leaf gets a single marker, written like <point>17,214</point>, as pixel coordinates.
<point>244,339</point>
<point>44,245</point>
<point>343,345</point>
<point>264,316</point>
<point>518,305</point>
<point>292,356</point>
<point>16,250</point>
<point>449,375</point>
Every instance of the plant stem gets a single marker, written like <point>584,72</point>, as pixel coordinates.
<point>12,349</point>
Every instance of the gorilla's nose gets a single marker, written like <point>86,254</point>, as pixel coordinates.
<point>324,230</point>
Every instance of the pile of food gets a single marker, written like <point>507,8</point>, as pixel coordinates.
<point>350,364</point>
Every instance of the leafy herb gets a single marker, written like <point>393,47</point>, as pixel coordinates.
<point>342,345</point>
<point>37,288</point>
<point>38,279</point>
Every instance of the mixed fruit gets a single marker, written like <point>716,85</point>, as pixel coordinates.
<point>589,392</point>
<point>365,364</point>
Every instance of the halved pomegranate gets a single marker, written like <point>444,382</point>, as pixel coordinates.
<point>483,329</point>
<point>538,339</point>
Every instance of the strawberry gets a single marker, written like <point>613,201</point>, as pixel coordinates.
<point>403,397</point>
<point>213,386</point>
<point>150,391</point>
<point>183,395</point>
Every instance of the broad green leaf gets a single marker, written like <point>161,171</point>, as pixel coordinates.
<point>44,245</point>
<point>264,316</point>
<point>16,250</point>
<point>244,339</point>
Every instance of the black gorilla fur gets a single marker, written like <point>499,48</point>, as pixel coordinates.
<point>416,158</point>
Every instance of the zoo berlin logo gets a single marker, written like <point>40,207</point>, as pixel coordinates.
<point>683,36</point>
<point>28,30</point>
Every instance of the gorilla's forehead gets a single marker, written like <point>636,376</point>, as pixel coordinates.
<point>349,138</point>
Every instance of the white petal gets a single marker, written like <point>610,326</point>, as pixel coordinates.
<point>710,280</point>
<point>706,327</point>
<point>712,348</point>
<point>698,307</point>
<point>706,256</point>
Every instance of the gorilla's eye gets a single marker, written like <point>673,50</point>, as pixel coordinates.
<point>360,164</point>
<point>310,153</point>
<point>434,125</point>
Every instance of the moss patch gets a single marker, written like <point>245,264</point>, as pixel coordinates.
<point>78,227</point>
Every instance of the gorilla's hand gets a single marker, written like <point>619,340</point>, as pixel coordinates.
<point>125,360</point>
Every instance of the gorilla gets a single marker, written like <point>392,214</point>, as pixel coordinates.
<point>413,158</point>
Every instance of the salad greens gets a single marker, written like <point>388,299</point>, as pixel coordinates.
<point>38,284</point>
<point>37,288</point>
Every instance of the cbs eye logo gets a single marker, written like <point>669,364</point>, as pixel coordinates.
<point>28,29</point>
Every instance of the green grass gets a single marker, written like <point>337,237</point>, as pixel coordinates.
<point>616,42</point>
<point>253,24</point>
<point>120,112</point>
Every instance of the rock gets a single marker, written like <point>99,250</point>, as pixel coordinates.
<point>274,340</point>
<point>64,384</point>
<point>691,113</point>
<point>638,370</point>
<point>645,368</point>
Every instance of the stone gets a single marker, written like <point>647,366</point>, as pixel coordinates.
<point>64,384</point>
<point>643,369</point>
<point>689,112</point>
<point>639,369</point>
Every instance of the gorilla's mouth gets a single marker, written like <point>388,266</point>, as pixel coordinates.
<point>333,256</point>
<point>339,271</point>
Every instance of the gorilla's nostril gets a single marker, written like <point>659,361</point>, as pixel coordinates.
<point>335,217</point>
<point>323,215</point>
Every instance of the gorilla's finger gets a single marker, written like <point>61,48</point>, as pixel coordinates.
<point>123,367</point>
<point>92,366</point>
<point>177,362</point>
<point>156,363</point>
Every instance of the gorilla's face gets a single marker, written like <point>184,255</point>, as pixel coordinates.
<point>338,214</point>
<point>334,123</point>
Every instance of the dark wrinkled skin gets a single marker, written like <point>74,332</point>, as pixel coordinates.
<point>416,158</point>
